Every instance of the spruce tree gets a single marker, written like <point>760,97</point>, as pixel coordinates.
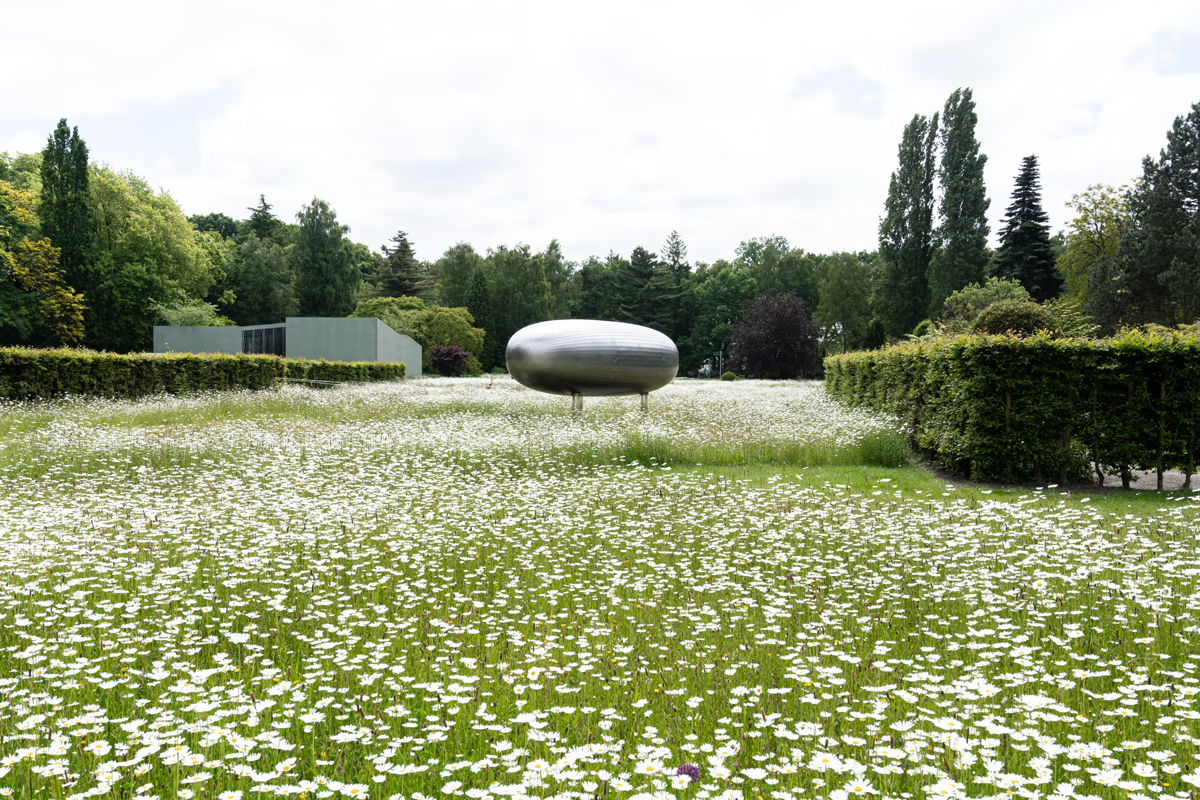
<point>961,254</point>
<point>326,277</point>
<point>644,290</point>
<point>906,232</point>
<point>400,273</point>
<point>1026,254</point>
<point>68,218</point>
<point>674,260</point>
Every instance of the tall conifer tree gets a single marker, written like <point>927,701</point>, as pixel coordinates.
<point>264,224</point>
<point>66,210</point>
<point>645,291</point>
<point>400,273</point>
<point>906,231</point>
<point>677,271</point>
<point>1025,253</point>
<point>961,254</point>
<point>1159,261</point>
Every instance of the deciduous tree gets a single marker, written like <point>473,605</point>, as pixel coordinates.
<point>326,276</point>
<point>906,232</point>
<point>845,312</point>
<point>67,212</point>
<point>775,340</point>
<point>1102,216</point>
<point>961,253</point>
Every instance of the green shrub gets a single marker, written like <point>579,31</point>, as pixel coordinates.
<point>1014,409</point>
<point>963,307</point>
<point>32,374</point>
<point>1017,317</point>
<point>729,376</point>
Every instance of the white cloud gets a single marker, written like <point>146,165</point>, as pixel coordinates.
<point>605,125</point>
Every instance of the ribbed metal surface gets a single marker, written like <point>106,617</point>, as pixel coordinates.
<point>591,357</point>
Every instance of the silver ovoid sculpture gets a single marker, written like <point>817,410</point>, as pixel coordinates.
<point>591,357</point>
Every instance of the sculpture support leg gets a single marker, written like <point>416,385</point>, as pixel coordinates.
<point>577,402</point>
<point>645,401</point>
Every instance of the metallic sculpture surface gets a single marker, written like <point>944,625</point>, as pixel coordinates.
<point>591,357</point>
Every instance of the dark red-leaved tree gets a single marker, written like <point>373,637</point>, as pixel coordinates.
<point>775,340</point>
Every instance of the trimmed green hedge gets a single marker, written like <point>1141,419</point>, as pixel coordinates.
<point>1014,409</point>
<point>31,374</point>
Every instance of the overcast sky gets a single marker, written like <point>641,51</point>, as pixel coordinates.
<point>605,124</point>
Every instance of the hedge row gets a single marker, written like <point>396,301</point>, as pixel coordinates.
<point>30,374</point>
<point>1012,409</point>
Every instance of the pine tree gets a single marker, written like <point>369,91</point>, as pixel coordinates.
<point>400,273</point>
<point>1026,254</point>
<point>961,254</point>
<point>68,218</point>
<point>1160,255</point>
<point>906,232</point>
<point>326,278</point>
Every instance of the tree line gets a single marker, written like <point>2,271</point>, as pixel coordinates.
<point>94,256</point>
<point>1129,257</point>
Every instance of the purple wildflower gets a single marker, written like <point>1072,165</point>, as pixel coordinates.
<point>691,770</point>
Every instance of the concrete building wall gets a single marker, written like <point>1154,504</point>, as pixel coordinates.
<point>329,338</point>
<point>398,347</point>
<point>197,339</point>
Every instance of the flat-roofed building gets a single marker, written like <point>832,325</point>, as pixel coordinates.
<point>314,338</point>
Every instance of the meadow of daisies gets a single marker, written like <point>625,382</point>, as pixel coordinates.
<point>460,588</point>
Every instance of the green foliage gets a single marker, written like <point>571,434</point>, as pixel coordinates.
<point>963,306</point>
<point>1012,409</point>
<point>1071,319</point>
<point>721,293</point>
<point>844,313</point>
<point>27,374</point>
<point>67,212</point>
<point>454,272</point>
<point>1159,277</point>
<point>23,170</point>
<point>901,297</point>
<point>1102,216</point>
<point>400,273</point>
<point>36,304</point>
<point>146,252</point>
<point>961,254</point>
<point>430,326</point>
<point>263,223</point>
<point>326,276</point>
<point>727,375</point>
<point>216,222</point>
<point>191,312</point>
<point>646,290</point>
<point>598,292</point>
<point>34,268</point>
<point>777,268</point>
<point>1016,317</point>
<point>262,281</point>
<point>1025,253</point>
<point>519,292</point>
